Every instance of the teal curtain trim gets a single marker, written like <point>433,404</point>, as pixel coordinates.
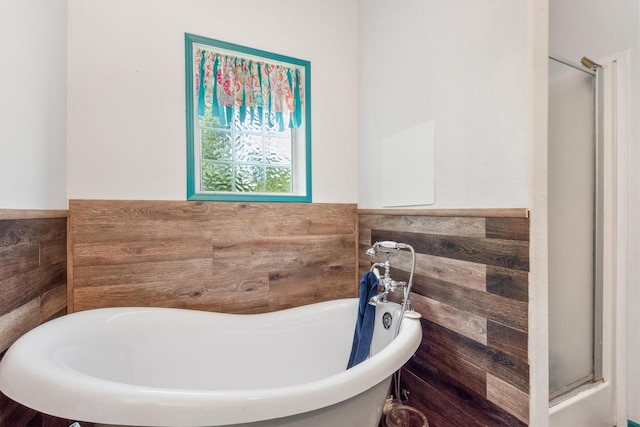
<point>632,424</point>
<point>215,107</point>
<point>292,88</point>
<point>259,101</point>
<point>243,107</point>
<point>298,112</point>
<point>267,101</point>
<point>280,121</point>
<point>201,88</point>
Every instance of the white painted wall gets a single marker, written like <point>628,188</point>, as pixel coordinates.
<point>126,88</point>
<point>33,97</point>
<point>463,64</point>
<point>601,31</point>
<point>479,70</point>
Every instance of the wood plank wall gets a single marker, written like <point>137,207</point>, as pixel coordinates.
<point>216,256</point>
<point>33,281</point>
<point>471,287</point>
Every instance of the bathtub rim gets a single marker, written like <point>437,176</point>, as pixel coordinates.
<point>177,406</point>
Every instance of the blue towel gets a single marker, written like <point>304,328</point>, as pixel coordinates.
<point>366,318</point>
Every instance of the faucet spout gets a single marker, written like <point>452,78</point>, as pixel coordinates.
<point>381,297</point>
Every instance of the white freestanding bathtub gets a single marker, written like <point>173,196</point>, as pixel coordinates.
<point>173,367</point>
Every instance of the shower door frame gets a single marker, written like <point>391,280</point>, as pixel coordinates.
<point>570,390</point>
<point>605,403</point>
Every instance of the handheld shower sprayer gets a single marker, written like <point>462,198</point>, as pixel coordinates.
<point>389,247</point>
<point>386,247</point>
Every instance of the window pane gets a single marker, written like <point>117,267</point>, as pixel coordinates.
<point>251,122</point>
<point>274,130</point>
<point>216,177</point>
<point>248,148</point>
<point>216,145</point>
<point>278,180</point>
<point>249,178</point>
<point>278,150</point>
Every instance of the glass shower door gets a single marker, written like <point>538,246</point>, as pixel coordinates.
<point>574,230</point>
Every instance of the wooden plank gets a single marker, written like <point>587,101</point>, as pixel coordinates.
<point>435,359</point>
<point>449,226</point>
<point>507,340</point>
<point>231,295</point>
<point>508,228</point>
<point>313,219</point>
<point>463,273</point>
<point>271,253</point>
<point>11,214</point>
<point>501,253</point>
<point>293,288</point>
<point>364,237</point>
<point>364,264</point>
<point>494,307</point>
<point>481,213</point>
<point>17,322</point>
<point>506,396</point>
<point>509,368</point>
<point>49,276</point>
<point>143,250</point>
<point>129,232</point>
<point>462,322</point>
<point>22,279</point>
<point>18,261</point>
<point>448,405</point>
<point>145,272</point>
<point>15,232</point>
<point>106,211</point>
<point>53,302</point>
<point>512,284</point>
<point>443,404</point>
<point>53,252</point>
<point>221,218</point>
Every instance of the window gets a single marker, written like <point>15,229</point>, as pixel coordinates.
<point>248,123</point>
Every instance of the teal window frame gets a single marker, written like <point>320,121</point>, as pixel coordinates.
<point>193,192</point>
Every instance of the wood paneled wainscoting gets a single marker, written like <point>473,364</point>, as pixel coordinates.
<point>33,288</point>
<point>471,287</point>
<point>215,256</point>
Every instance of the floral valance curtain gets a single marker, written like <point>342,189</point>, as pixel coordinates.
<point>254,88</point>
